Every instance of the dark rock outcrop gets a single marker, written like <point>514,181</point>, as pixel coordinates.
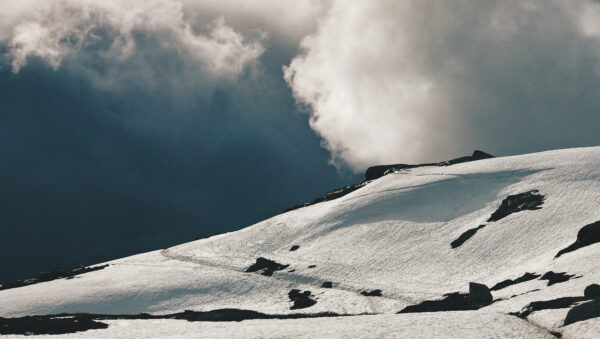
<point>71,323</point>
<point>49,276</point>
<point>529,200</point>
<point>465,236</point>
<point>564,302</point>
<point>267,266</point>
<point>587,235</point>
<point>371,293</point>
<point>293,248</point>
<point>555,278</point>
<point>592,291</point>
<point>336,193</point>
<point>327,284</point>
<point>451,302</point>
<point>35,325</point>
<point>582,312</point>
<point>375,172</point>
<point>301,299</point>
<point>508,282</point>
<point>479,294</point>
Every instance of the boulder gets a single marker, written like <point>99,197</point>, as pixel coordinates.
<point>582,312</point>
<point>592,291</point>
<point>479,294</point>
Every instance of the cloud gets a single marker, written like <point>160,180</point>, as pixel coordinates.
<point>111,32</point>
<point>406,81</point>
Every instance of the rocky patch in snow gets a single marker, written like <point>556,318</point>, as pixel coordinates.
<point>375,172</point>
<point>592,291</point>
<point>479,296</point>
<point>327,284</point>
<point>301,299</point>
<point>371,293</point>
<point>336,193</point>
<point>509,282</point>
<point>585,311</point>
<point>587,235</point>
<point>71,323</point>
<point>49,276</point>
<point>555,278</point>
<point>529,200</point>
<point>534,306</point>
<point>267,266</point>
<point>465,236</point>
<point>31,325</point>
<point>293,248</point>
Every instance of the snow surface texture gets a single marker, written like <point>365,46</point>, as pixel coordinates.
<point>393,234</point>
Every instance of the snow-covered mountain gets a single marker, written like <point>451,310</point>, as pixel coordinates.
<point>374,262</point>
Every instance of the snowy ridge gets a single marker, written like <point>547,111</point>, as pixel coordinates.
<point>393,234</point>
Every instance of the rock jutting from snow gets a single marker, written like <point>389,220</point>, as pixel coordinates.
<point>508,282</point>
<point>479,294</point>
<point>327,284</point>
<point>555,278</point>
<point>587,235</point>
<point>465,236</point>
<point>371,293</point>
<point>267,266</point>
<point>293,248</point>
<point>49,276</point>
<point>534,306</point>
<point>592,291</point>
<point>529,200</point>
<point>375,172</point>
<point>300,299</point>
<point>582,312</point>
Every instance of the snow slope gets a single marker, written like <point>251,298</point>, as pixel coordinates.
<point>393,234</point>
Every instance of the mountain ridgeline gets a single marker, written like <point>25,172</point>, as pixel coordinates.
<point>375,172</point>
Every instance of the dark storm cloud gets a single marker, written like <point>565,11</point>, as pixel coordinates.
<point>104,157</point>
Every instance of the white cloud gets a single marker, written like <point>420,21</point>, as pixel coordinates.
<point>407,81</point>
<point>54,30</point>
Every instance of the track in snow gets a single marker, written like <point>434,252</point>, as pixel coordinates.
<point>371,302</point>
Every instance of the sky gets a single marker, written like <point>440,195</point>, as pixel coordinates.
<point>128,126</point>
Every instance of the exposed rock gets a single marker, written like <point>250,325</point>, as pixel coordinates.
<point>35,325</point>
<point>465,236</point>
<point>479,294</point>
<point>555,278</point>
<point>592,291</point>
<point>451,302</point>
<point>564,302</point>
<point>587,235</point>
<point>508,282</point>
<point>312,266</point>
<point>71,323</point>
<point>371,293</point>
<point>375,172</point>
<point>49,276</point>
<point>327,284</point>
<point>336,193</point>
<point>300,299</point>
<point>529,200</point>
<point>267,266</point>
<point>582,312</point>
<point>295,247</point>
